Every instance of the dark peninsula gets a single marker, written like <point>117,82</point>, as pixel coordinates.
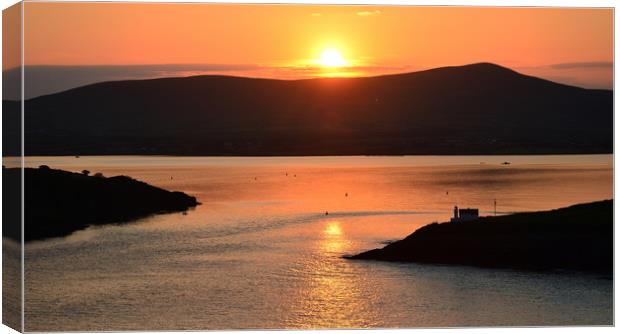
<point>578,237</point>
<point>58,202</point>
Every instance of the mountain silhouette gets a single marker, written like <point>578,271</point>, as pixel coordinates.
<point>473,109</point>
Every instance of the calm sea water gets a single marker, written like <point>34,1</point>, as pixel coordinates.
<point>261,253</point>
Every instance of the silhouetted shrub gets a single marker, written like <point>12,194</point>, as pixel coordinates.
<point>86,172</point>
<point>98,174</point>
<point>44,167</point>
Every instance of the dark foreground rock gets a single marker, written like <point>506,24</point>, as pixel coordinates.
<point>58,202</point>
<point>578,237</point>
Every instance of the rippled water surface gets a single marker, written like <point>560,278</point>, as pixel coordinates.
<point>260,252</point>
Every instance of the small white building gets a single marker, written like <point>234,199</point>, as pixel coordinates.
<point>464,215</point>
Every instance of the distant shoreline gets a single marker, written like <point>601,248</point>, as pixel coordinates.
<point>301,155</point>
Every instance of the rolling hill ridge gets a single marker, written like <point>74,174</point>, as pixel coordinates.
<point>473,109</point>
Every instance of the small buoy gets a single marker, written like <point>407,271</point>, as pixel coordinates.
<point>346,194</point>
<point>326,213</point>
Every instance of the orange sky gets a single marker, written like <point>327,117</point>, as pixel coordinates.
<point>282,41</point>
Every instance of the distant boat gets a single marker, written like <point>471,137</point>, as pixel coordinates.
<point>77,156</point>
<point>505,163</point>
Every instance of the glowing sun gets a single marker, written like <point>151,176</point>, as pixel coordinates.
<point>332,58</point>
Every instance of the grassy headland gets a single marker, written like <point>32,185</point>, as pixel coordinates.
<point>579,237</point>
<point>57,202</point>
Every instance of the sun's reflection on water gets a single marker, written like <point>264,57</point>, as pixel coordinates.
<point>333,228</point>
<point>334,241</point>
<point>332,296</point>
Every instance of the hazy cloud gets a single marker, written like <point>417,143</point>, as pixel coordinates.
<point>316,14</point>
<point>591,74</point>
<point>369,13</point>
<point>588,64</point>
<point>47,79</point>
<point>368,69</point>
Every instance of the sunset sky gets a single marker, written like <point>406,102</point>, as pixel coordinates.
<point>573,46</point>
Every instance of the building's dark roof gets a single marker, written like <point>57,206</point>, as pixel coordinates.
<point>468,211</point>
